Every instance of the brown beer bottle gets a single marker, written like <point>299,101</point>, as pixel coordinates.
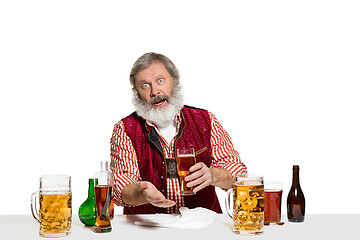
<point>296,199</point>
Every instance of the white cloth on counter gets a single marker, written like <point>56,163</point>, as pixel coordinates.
<point>188,218</point>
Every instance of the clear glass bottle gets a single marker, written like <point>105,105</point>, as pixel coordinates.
<point>87,212</point>
<point>105,168</point>
<point>296,199</point>
<point>103,196</point>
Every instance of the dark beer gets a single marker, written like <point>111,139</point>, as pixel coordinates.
<point>272,206</point>
<point>103,202</point>
<point>184,162</point>
<point>112,207</point>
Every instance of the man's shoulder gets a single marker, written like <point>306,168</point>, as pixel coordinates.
<point>131,116</point>
<point>207,112</point>
<point>193,108</point>
<point>130,120</point>
<point>196,112</point>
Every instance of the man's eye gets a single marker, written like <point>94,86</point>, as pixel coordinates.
<point>145,85</point>
<point>161,80</point>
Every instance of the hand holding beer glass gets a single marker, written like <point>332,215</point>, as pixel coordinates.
<point>185,159</point>
<point>55,205</point>
<point>247,205</point>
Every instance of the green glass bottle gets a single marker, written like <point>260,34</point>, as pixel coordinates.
<point>87,210</point>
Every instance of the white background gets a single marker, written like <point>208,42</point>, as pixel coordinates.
<point>281,76</point>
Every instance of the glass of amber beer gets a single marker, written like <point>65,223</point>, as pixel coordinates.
<point>272,204</point>
<point>103,194</point>
<point>55,213</point>
<point>185,159</point>
<point>247,205</point>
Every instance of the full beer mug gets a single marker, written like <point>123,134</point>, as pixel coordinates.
<point>247,205</point>
<point>55,213</point>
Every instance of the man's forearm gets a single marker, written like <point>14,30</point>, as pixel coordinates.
<point>221,178</point>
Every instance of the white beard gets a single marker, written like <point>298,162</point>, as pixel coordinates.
<point>161,116</point>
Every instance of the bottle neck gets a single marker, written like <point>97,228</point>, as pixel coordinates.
<point>296,180</point>
<point>104,166</point>
<point>105,170</point>
<point>91,188</point>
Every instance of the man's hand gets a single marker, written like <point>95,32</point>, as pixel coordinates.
<point>201,176</point>
<point>137,194</point>
<point>154,196</point>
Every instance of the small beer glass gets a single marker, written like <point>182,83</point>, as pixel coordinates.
<point>55,213</point>
<point>272,204</point>
<point>185,159</point>
<point>247,204</point>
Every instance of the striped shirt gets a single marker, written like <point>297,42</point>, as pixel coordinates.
<point>126,171</point>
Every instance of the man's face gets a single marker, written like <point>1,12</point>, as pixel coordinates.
<point>155,97</point>
<point>154,85</point>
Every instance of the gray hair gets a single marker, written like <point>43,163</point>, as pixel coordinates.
<point>148,58</point>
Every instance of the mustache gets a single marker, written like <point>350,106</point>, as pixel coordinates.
<point>158,98</point>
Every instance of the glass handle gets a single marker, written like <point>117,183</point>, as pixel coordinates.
<point>228,200</point>
<point>34,200</point>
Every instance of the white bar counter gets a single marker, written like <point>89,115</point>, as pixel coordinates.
<point>316,226</point>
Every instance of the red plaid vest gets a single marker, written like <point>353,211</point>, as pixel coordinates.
<point>195,131</point>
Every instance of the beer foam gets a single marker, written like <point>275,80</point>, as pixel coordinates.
<point>59,192</point>
<point>249,183</point>
<point>273,190</point>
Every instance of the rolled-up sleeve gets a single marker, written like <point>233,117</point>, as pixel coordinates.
<point>123,161</point>
<point>223,153</point>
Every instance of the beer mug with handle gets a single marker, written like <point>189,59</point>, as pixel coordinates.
<point>245,204</point>
<point>54,198</point>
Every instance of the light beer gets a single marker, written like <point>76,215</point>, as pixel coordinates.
<point>248,210</point>
<point>103,201</point>
<point>55,214</point>
<point>184,162</point>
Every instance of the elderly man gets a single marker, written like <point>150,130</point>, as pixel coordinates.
<point>143,144</point>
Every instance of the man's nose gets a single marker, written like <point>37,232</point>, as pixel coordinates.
<point>155,91</point>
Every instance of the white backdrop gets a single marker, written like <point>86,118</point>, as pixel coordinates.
<point>281,76</point>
